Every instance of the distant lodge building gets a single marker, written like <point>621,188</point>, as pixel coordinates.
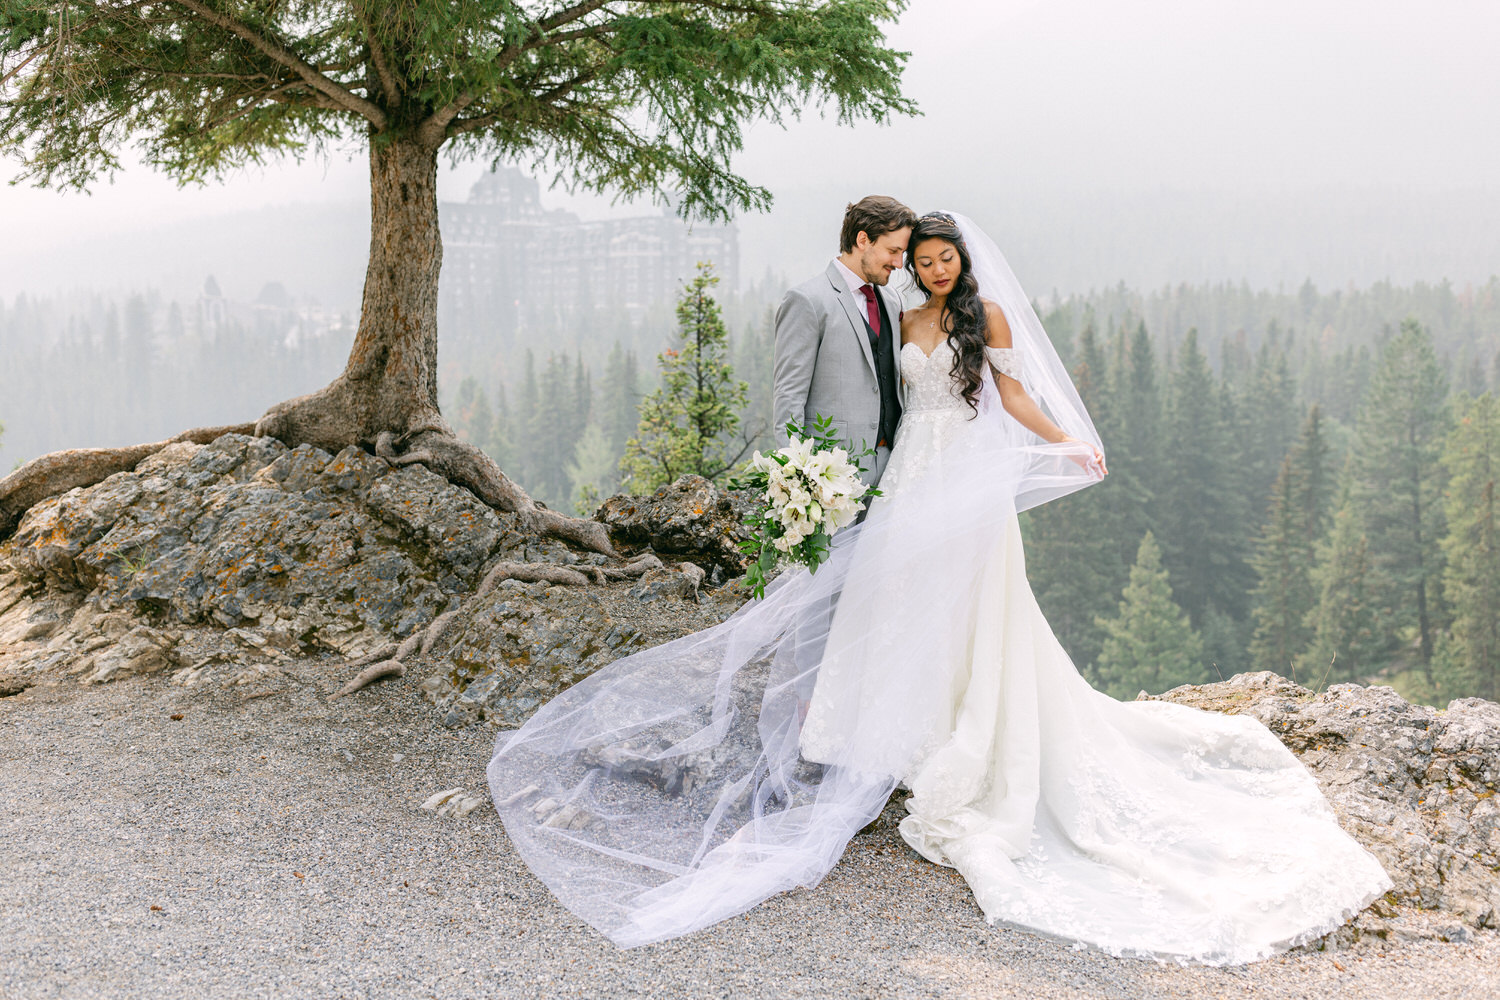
<point>510,264</point>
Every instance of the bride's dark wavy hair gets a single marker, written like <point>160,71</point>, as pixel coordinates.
<point>963,316</point>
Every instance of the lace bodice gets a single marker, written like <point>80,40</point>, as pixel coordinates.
<point>928,378</point>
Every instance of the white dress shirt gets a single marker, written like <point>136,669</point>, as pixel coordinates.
<point>855,283</point>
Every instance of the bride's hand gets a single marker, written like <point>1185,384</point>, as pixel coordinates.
<point>1093,463</point>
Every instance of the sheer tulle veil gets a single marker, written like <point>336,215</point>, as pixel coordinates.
<point>668,791</point>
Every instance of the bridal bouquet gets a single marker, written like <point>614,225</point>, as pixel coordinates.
<point>810,489</point>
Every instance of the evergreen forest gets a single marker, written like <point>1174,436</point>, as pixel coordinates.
<point>1301,481</point>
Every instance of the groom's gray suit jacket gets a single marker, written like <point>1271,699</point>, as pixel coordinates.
<point>824,364</point>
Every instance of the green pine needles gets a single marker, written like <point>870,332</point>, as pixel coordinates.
<point>690,424</point>
<point>626,97</point>
<point>1468,661</point>
<point>1149,644</point>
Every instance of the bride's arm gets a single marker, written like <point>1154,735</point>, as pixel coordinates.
<point>1013,396</point>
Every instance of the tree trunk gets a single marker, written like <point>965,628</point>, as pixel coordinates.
<point>389,384</point>
<point>386,397</point>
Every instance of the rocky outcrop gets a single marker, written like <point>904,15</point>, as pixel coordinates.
<point>244,552</point>
<point>1413,784</point>
<point>691,520</point>
<point>522,643</point>
<point>330,550</point>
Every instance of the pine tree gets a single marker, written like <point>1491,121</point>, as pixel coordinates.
<point>473,418</point>
<point>1203,521</point>
<point>752,359</point>
<point>1270,411</point>
<point>1074,558</point>
<point>1347,641</point>
<point>503,435</point>
<point>1470,660</point>
<point>619,395</point>
<point>1284,556</point>
<point>1149,645</point>
<point>583,399</point>
<point>1126,386</point>
<point>1284,590</point>
<point>528,447</point>
<point>1313,494</point>
<point>1397,487</point>
<point>593,471</point>
<point>688,425</point>
<point>553,430</point>
<point>1140,409</point>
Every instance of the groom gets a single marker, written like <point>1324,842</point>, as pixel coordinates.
<point>838,335</point>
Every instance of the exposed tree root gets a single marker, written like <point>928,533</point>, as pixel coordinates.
<point>465,465</point>
<point>61,471</point>
<point>345,410</point>
<point>374,672</point>
<point>381,652</point>
<point>432,441</point>
<point>530,573</point>
<point>387,660</point>
<point>637,567</point>
<point>435,631</point>
<point>325,419</point>
<point>408,646</point>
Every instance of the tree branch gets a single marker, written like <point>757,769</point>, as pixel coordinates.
<point>277,94</point>
<point>569,14</point>
<point>436,128</point>
<point>29,59</point>
<point>463,125</point>
<point>272,48</point>
<point>434,131</point>
<point>377,58</point>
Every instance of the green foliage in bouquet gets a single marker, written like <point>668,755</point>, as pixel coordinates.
<point>810,489</point>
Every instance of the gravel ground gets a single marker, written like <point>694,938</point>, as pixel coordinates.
<point>269,844</point>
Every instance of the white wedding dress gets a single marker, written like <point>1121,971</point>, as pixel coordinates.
<point>680,785</point>
<point>1141,827</point>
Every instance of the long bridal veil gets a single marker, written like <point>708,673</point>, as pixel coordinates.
<point>667,791</point>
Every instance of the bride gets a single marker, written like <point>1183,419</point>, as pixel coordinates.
<point>686,783</point>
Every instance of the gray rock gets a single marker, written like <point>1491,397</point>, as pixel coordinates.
<point>518,646</point>
<point>312,550</point>
<point>142,650</point>
<point>691,519</point>
<point>680,583</point>
<point>455,802</point>
<point>1413,784</point>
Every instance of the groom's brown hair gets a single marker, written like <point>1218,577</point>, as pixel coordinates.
<point>874,216</point>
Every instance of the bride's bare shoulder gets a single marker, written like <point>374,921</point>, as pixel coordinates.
<point>997,328</point>
<point>911,317</point>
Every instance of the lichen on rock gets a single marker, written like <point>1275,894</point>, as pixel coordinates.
<point>690,519</point>
<point>336,550</point>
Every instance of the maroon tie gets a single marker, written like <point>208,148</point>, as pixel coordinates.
<point>871,308</point>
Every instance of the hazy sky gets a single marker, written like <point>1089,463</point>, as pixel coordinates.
<point>1031,110</point>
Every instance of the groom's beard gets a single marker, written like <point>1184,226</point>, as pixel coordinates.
<point>879,274</point>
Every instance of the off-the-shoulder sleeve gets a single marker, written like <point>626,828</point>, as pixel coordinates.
<point>1005,360</point>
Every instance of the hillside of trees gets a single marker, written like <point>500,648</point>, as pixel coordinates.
<point>1301,480</point>
<point>1300,483</point>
